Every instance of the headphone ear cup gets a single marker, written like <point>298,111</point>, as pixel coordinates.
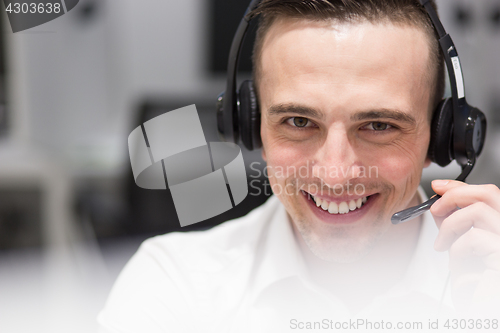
<point>249,116</point>
<point>441,144</point>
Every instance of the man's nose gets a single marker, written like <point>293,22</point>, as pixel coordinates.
<point>336,161</point>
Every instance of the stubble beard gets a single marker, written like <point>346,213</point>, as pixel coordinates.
<point>339,244</point>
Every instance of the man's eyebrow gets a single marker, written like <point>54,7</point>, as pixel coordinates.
<point>295,108</point>
<point>385,113</point>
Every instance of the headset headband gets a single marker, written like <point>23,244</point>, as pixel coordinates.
<point>465,156</point>
<point>460,107</point>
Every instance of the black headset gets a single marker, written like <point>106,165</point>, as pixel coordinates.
<point>458,130</point>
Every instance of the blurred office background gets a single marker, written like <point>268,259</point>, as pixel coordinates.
<point>71,91</point>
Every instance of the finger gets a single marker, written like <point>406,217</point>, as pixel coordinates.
<point>456,194</point>
<point>440,186</point>
<point>478,215</point>
<point>475,247</point>
<point>439,219</point>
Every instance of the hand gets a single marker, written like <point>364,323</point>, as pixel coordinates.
<point>468,218</point>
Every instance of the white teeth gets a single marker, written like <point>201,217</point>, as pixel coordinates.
<point>359,202</point>
<point>333,208</point>
<point>343,208</point>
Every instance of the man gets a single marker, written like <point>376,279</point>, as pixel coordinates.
<point>346,92</point>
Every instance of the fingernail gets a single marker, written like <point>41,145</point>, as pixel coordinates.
<point>440,183</point>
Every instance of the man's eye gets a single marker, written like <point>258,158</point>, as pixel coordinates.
<point>299,122</point>
<point>378,126</point>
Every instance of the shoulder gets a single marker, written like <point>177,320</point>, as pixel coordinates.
<point>171,275</point>
<point>214,248</point>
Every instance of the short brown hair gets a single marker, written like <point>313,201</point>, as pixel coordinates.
<point>403,12</point>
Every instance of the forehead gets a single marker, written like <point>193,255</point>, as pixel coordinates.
<point>356,60</point>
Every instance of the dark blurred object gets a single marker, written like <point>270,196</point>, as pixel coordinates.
<point>88,10</point>
<point>225,15</point>
<point>128,210</point>
<point>463,16</point>
<point>101,208</point>
<point>495,17</point>
<point>494,109</point>
<point>20,218</point>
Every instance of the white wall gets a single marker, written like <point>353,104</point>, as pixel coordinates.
<point>76,84</point>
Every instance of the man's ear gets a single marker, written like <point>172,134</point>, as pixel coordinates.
<point>427,162</point>
<point>264,154</point>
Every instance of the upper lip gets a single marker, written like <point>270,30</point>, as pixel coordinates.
<point>344,198</point>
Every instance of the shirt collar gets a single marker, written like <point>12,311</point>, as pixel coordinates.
<point>279,251</point>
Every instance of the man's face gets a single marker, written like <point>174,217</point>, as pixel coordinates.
<point>344,119</point>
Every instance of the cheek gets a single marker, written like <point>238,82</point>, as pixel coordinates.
<point>395,168</point>
<point>403,162</point>
<point>287,168</point>
<point>281,163</point>
<point>282,155</point>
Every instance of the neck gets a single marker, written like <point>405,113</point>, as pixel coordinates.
<point>378,271</point>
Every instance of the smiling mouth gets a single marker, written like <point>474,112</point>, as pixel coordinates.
<point>334,208</point>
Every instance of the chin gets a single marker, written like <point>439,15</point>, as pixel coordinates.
<point>344,252</point>
<point>341,244</point>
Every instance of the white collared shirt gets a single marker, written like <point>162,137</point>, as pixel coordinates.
<point>248,275</point>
